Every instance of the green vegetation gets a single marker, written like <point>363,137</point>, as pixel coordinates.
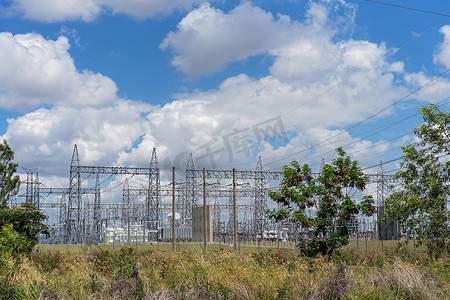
<point>26,221</point>
<point>101,272</point>
<point>328,266</point>
<point>21,225</point>
<point>330,194</point>
<point>419,203</point>
<point>9,183</point>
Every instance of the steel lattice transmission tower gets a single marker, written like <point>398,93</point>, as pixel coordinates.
<point>259,219</point>
<point>36,195</point>
<point>73,215</point>
<point>381,186</point>
<point>153,198</point>
<point>190,199</point>
<point>97,212</point>
<point>30,193</point>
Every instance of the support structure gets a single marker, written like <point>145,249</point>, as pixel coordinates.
<point>73,215</point>
<point>239,198</point>
<point>97,212</point>
<point>387,229</point>
<point>191,198</point>
<point>259,220</point>
<point>31,184</point>
<point>153,198</point>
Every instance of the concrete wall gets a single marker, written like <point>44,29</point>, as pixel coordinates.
<point>387,229</point>
<point>197,224</point>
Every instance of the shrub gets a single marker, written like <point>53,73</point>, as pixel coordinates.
<point>27,221</point>
<point>11,242</point>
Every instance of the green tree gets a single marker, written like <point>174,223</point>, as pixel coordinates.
<point>420,202</point>
<point>329,196</point>
<point>9,183</point>
<point>11,242</point>
<point>25,220</point>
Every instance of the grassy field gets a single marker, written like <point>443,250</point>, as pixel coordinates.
<point>360,246</point>
<point>265,272</point>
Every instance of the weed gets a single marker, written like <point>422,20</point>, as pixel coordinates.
<point>47,261</point>
<point>95,285</point>
<point>198,274</point>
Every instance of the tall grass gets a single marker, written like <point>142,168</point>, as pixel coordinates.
<point>194,273</point>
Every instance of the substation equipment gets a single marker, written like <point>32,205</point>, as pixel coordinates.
<point>142,214</point>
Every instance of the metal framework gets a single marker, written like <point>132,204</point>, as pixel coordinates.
<point>83,216</point>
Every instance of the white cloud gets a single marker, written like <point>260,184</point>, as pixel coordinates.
<point>87,10</point>
<point>207,38</point>
<point>442,56</point>
<point>356,81</point>
<point>432,90</point>
<point>36,71</point>
<point>45,138</point>
<point>147,8</point>
<point>57,10</point>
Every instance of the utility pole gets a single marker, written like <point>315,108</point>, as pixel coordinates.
<point>173,210</point>
<point>234,209</point>
<point>205,242</point>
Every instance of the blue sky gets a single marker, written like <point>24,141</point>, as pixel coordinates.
<point>219,79</point>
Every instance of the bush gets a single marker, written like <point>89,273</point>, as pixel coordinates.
<point>11,242</point>
<point>26,220</point>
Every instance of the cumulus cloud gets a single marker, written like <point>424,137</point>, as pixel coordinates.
<point>209,125</point>
<point>434,89</point>
<point>87,10</point>
<point>45,138</point>
<point>442,56</point>
<point>57,10</point>
<point>207,38</point>
<point>300,148</point>
<point>147,8</point>
<point>357,81</point>
<point>36,72</point>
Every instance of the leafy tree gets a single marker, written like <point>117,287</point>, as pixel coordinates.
<point>25,220</point>
<point>420,201</point>
<point>331,197</point>
<point>11,242</point>
<point>9,183</point>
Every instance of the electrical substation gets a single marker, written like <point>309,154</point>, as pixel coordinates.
<point>236,202</point>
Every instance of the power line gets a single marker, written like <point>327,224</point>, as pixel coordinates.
<point>384,162</point>
<point>365,120</point>
<point>339,83</point>
<point>378,130</point>
<point>410,8</point>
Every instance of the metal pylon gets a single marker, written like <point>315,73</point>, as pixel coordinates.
<point>190,200</point>
<point>153,199</point>
<point>97,212</point>
<point>259,219</point>
<point>126,199</point>
<point>381,190</point>
<point>216,220</point>
<point>73,221</point>
<point>30,185</point>
<point>36,193</point>
<point>381,186</point>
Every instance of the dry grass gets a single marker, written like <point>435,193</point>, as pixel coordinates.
<point>193,273</point>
